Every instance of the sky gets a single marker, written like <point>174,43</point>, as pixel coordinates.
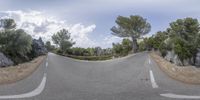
<point>90,21</point>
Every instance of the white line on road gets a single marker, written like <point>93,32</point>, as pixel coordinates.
<point>177,96</point>
<point>153,82</point>
<point>35,92</point>
<point>149,61</point>
<point>46,64</point>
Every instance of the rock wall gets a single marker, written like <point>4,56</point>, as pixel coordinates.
<point>38,47</point>
<point>4,61</point>
<point>172,57</point>
<point>197,59</point>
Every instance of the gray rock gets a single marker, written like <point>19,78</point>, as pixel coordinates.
<point>4,61</point>
<point>169,56</point>
<point>39,47</point>
<point>197,59</point>
<point>172,57</point>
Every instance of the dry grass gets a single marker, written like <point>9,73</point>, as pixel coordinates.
<point>186,74</point>
<point>15,73</point>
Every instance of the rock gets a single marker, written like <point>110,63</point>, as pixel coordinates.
<point>4,61</point>
<point>38,47</point>
<point>169,56</point>
<point>172,57</point>
<point>177,61</point>
<point>197,59</point>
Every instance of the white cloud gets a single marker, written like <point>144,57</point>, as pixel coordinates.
<point>37,24</point>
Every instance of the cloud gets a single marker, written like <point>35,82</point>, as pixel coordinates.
<point>37,24</point>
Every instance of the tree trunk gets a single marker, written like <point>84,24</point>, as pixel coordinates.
<point>135,45</point>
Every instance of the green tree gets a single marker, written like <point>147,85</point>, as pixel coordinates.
<point>159,38</point>
<point>7,23</point>
<point>16,44</point>
<point>49,46</point>
<point>127,46</point>
<point>184,33</point>
<point>133,26</point>
<point>117,49</point>
<point>63,40</point>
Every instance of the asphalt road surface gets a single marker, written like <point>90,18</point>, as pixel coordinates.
<point>135,77</point>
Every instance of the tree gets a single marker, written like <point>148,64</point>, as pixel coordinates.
<point>49,46</point>
<point>184,33</point>
<point>63,40</point>
<point>7,23</point>
<point>117,49</point>
<point>159,38</point>
<point>127,46</point>
<point>16,44</point>
<point>133,26</point>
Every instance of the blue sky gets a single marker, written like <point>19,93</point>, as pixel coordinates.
<point>92,19</point>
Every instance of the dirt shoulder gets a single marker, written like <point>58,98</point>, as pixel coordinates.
<point>186,74</point>
<point>15,73</point>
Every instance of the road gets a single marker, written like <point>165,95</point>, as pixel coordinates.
<point>136,77</point>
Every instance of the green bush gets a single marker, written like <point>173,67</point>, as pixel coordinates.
<point>92,58</point>
<point>182,49</point>
<point>16,44</point>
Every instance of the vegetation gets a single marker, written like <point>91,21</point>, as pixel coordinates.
<point>63,40</point>
<point>133,26</point>
<point>122,49</point>
<point>91,58</point>
<point>182,37</point>
<point>49,46</point>
<point>15,43</point>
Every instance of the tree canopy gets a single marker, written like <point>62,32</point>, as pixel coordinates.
<point>133,26</point>
<point>63,40</point>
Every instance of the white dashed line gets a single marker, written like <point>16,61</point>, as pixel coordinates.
<point>46,64</point>
<point>171,95</point>
<point>149,61</point>
<point>35,92</point>
<point>153,82</point>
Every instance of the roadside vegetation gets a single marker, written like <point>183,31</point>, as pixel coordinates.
<point>133,27</point>
<point>16,46</point>
<point>179,44</point>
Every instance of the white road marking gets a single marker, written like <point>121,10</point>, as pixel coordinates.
<point>46,64</point>
<point>177,96</point>
<point>35,92</point>
<point>149,61</point>
<point>153,82</point>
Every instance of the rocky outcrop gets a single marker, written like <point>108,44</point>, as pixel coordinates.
<point>197,59</point>
<point>172,57</point>
<point>38,47</point>
<point>4,61</point>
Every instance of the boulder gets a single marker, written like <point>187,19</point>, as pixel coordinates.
<point>172,57</point>
<point>38,47</point>
<point>197,59</point>
<point>169,56</point>
<point>4,61</point>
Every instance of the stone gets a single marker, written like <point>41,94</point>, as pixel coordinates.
<point>197,59</point>
<point>38,47</point>
<point>172,57</point>
<point>4,61</point>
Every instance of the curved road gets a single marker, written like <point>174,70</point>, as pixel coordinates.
<point>136,77</point>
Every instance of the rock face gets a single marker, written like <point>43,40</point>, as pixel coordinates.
<point>39,47</point>
<point>4,61</point>
<point>172,57</point>
<point>197,59</point>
